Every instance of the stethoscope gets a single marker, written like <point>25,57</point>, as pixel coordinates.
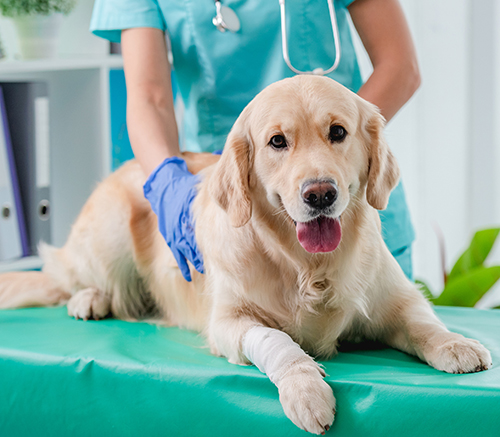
<point>226,19</point>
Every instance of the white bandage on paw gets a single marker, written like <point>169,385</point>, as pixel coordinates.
<point>273,351</point>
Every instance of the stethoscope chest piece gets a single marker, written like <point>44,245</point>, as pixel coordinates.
<point>225,18</point>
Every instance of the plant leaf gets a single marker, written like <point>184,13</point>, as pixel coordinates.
<point>475,255</point>
<point>425,290</point>
<point>466,290</point>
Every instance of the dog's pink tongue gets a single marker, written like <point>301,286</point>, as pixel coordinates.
<point>320,235</point>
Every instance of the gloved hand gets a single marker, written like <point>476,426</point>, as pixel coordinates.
<point>171,189</point>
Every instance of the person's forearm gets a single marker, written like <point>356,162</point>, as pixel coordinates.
<point>390,86</point>
<point>382,27</point>
<point>152,131</point>
<point>151,120</point>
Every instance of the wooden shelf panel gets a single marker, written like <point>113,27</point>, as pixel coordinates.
<point>60,64</point>
<point>27,263</point>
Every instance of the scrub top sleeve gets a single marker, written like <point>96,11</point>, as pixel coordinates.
<point>110,17</point>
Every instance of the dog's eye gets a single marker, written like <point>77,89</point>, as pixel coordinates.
<point>337,134</point>
<point>278,142</point>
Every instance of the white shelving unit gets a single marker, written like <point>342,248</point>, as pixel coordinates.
<point>80,139</point>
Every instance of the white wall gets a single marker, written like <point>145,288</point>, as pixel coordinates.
<point>447,138</point>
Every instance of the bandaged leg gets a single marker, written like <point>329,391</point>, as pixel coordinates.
<point>306,398</point>
<point>274,352</point>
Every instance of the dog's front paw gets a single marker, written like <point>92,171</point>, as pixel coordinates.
<point>456,354</point>
<point>307,399</point>
<point>89,303</point>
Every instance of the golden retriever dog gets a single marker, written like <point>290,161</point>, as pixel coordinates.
<point>288,227</point>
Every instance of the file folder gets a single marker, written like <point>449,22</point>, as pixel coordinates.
<point>13,238</point>
<point>27,105</point>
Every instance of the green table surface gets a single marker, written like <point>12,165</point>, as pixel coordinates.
<point>62,377</point>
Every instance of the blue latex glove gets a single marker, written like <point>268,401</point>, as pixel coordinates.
<point>171,189</point>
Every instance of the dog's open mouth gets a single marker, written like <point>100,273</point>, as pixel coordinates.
<point>322,234</point>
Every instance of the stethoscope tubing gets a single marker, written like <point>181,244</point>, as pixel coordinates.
<point>336,39</point>
<point>220,22</point>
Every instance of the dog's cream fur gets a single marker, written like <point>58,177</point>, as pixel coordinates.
<point>257,273</point>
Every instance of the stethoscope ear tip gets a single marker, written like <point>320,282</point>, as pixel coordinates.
<point>218,23</point>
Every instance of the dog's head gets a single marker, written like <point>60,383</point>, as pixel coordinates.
<point>309,146</point>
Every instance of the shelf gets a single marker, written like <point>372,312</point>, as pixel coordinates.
<point>60,64</point>
<point>80,139</point>
<point>27,263</point>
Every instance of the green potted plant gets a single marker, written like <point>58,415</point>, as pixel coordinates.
<point>471,277</point>
<point>37,23</point>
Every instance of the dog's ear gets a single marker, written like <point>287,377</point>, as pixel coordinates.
<point>229,185</point>
<point>383,169</point>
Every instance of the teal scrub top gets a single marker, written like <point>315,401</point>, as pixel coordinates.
<point>219,73</point>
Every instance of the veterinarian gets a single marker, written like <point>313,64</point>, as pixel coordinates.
<point>222,62</point>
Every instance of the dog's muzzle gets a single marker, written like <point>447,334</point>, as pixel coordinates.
<point>321,232</point>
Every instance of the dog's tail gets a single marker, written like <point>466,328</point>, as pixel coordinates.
<point>30,289</point>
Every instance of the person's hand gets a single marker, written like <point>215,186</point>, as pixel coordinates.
<point>171,189</point>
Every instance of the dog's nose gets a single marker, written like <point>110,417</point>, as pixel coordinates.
<point>319,194</point>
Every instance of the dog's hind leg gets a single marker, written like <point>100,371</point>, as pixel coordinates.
<point>30,289</point>
<point>89,303</point>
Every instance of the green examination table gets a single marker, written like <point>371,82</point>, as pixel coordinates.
<point>62,377</point>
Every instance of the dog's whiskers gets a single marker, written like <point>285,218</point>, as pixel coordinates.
<point>280,210</point>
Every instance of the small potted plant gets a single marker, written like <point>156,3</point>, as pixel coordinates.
<point>37,23</point>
